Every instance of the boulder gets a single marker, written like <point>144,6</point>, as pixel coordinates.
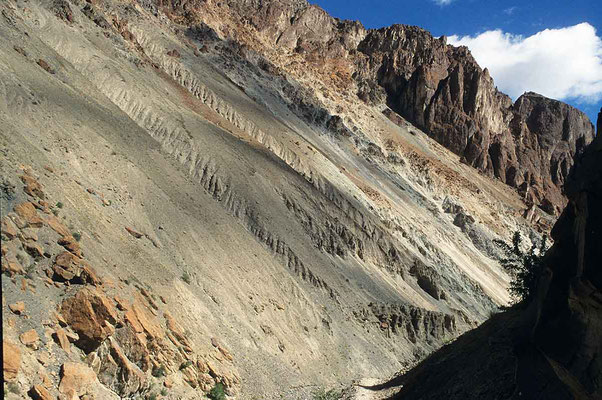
<point>91,315</point>
<point>76,377</point>
<point>9,230</point>
<point>27,212</point>
<point>18,307</point>
<point>39,392</point>
<point>11,355</point>
<point>30,339</point>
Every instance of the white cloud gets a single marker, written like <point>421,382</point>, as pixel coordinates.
<point>443,2</point>
<point>559,63</point>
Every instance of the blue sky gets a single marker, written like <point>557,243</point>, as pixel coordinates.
<point>553,47</point>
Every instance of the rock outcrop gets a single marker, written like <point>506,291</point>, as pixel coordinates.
<point>530,145</point>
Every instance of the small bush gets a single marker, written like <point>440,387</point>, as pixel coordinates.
<point>164,392</point>
<point>322,394</point>
<point>55,212</point>
<point>186,277</point>
<point>185,364</point>
<point>524,268</point>
<point>13,388</point>
<point>159,371</point>
<point>59,204</point>
<point>77,236</point>
<point>217,392</point>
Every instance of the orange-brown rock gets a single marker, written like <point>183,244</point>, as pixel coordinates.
<point>57,226</point>
<point>39,392</point>
<point>88,275</point>
<point>76,377</point>
<point>30,339</point>
<point>29,214</point>
<point>134,233</point>
<point>11,355</point>
<point>61,338</point>
<point>18,307</point>
<point>12,268</point>
<point>147,320</point>
<point>122,304</point>
<point>8,228</point>
<point>168,382</point>
<point>88,313</point>
<point>32,186</point>
<point>66,267</point>
<point>70,244</point>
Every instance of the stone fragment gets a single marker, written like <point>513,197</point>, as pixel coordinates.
<point>134,233</point>
<point>8,228</point>
<point>76,377</point>
<point>30,339</point>
<point>32,186</point>
<point>39,392</point>
<point>18,307</point>
<point>33,249</point>
<point>29,214</point>
<point>11,355</point>
<point>71,245</point>
<point>56,225</point>
<point>12,268</point>
<point>61,338</point>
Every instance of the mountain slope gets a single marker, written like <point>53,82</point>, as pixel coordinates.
<point>286,226</point>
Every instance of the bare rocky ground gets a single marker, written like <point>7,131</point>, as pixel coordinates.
<point>179,219</point>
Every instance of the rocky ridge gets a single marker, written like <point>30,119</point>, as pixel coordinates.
<point>528,144</point>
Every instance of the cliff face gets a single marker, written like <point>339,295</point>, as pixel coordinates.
<point>529,145</point>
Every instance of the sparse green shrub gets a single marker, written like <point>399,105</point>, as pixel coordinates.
<point>55,212</point>
<point>217,392</point>
<point>322,394</point>
<point>159,371</point>
<point>12,387</point>
<point>77,236</point>
<point>164,392</point>
<point>186,277</point>
<point>185,364</point>
<point>152,396</point>
<point>59,204</point>
<point>524,268</point>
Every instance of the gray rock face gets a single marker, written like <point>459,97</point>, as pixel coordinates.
<point>529,145</point>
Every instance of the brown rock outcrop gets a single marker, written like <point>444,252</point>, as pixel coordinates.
<point>76,377</point>
<point>30,339</point>
<point>29,214</point>
<point>11,356</point>
<point>91,315</point>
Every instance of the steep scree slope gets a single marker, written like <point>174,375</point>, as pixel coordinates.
<point>246,188</point>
